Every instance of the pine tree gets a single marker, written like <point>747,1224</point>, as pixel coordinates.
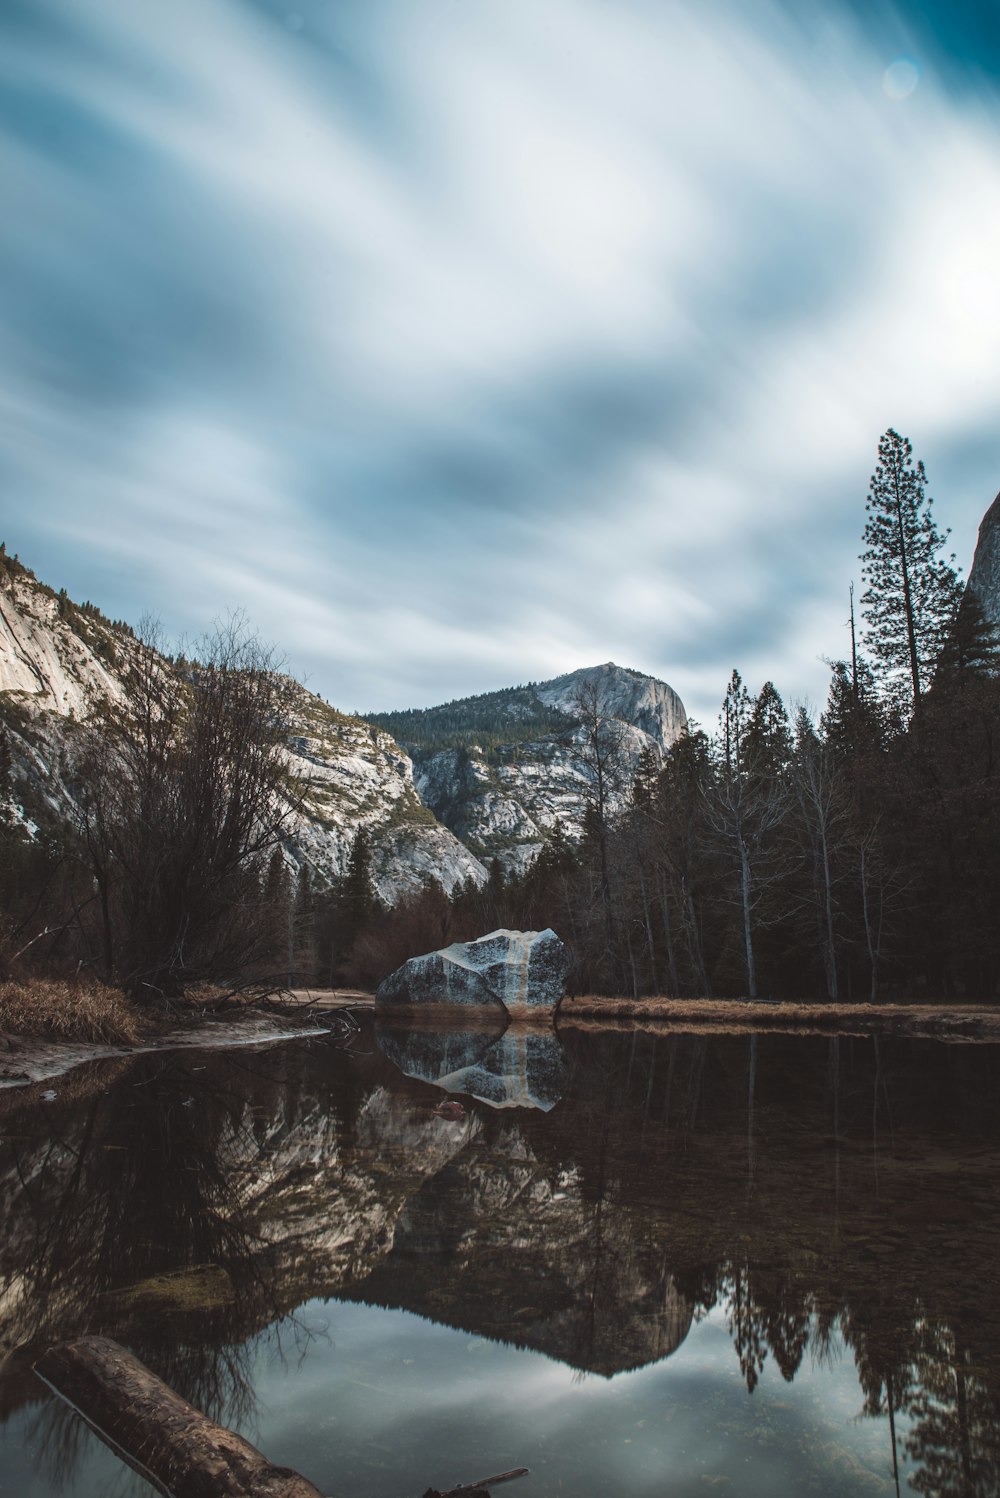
<point>6,776</point>
<point>747,802</point>
<point>768,740</point>
<point>913,592</point>
<point>359,896</point>
<point>733,723</point>
<point>972,648</point>
<point>853,722</point>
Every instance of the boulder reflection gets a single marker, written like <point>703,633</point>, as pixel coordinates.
<point>820,1192</point>
<point>516,1068</point>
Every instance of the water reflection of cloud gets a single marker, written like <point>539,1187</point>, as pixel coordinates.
<point>393,1376</point>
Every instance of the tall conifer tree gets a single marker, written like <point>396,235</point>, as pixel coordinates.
<point>913,592</point>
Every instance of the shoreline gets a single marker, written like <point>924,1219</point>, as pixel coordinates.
<point>960,1021</point>
<point>26,1060</point>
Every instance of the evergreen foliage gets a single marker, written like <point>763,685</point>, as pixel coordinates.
<point>913,592</point>
<point>491,720</point>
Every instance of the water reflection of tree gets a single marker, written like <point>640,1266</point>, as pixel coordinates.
<point>955,1435</point>
<point>832,1249</point>
<point>137,1186</point>
<point>847,1238</point>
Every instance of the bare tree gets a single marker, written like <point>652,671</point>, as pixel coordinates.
<point>824,821</point>
<point>183,791</point>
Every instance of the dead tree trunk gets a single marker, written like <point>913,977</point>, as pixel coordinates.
<point>159,1433</point>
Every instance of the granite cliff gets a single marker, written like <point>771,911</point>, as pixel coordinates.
<point>58,659</point>
<point>502,770</point>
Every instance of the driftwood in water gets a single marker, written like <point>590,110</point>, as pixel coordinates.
<point>474,1489</point>
<point>157,1431</point>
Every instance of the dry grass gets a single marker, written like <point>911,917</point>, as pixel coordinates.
<point>68,1011</point>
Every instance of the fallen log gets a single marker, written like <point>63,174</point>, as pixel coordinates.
<point>473,1489</point>
<point>156,1431</point>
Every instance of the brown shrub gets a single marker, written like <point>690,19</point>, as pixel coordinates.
<point>68,1011</point>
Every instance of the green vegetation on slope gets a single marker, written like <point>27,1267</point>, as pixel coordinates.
<point>492,719</point>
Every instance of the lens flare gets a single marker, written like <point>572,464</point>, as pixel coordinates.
<point>900,78</point>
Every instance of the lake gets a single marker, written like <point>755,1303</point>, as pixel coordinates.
<point>641,1264</point>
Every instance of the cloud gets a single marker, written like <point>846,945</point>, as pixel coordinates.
<point>464,345</point>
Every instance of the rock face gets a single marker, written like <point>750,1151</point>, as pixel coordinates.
<point>502,770</point>
<point>520,972</point>
<point>642,701</point>
<point>58,660</point>
<point>353,774</point>
<point>984,575</point>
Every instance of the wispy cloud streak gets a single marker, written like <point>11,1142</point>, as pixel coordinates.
<point>468,344</point>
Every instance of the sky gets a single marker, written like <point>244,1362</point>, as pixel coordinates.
<point>462,343</point>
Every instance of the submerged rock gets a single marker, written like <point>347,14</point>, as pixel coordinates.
<point>520,972</point>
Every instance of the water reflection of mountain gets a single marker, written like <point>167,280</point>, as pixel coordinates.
<point>809,1187</point>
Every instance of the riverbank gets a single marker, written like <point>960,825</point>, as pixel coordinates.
<point>960,1021</point>
<point>54,1036</point>
<point>48,1027</point>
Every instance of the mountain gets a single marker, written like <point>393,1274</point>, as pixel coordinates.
<point>57,659</point>
<point>503,769</point>
<point>441,790</point>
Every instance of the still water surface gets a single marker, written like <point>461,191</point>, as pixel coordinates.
<point>666,1265</point>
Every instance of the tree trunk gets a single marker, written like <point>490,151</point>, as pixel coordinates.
<point>830,954</point>
<point>911,637</point>
<point>157,1432</point>
<point>694,944</point>
<point>668,935</point>
<point>747,927</point>
<point>650,944</point>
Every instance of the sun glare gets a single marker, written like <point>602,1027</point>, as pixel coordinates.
<point>900,78</point>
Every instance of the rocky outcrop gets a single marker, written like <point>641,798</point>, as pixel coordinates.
<point>520,973</point>
<point>630,696</point>
<point>984,575</point>
<point>353,774</point>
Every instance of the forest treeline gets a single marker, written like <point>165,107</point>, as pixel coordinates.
<point>856,857</point>
<point>853,857</point>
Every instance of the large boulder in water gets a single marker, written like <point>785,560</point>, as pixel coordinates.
<point>518,972</point>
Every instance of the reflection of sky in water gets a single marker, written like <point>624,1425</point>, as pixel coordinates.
<point>588,1234</point>
<point>391,1404</point>
<point>382,1404</point>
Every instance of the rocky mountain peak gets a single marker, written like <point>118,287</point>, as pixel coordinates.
<point>439,789</point>
<point>619,692</point>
